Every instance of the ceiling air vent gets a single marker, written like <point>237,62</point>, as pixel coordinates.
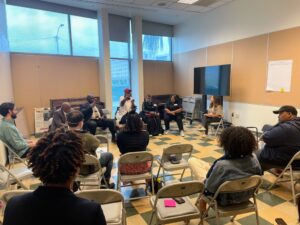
<point>205,3</point>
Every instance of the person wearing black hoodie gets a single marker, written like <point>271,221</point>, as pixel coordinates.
<point>282,141</point>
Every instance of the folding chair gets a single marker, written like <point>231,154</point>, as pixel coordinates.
<point>256,132</point>
<point>182,151</point>
<point>96,174</point>
<point>12,156</point>
<point>288,174</point>
<point>104,144</point>
<point>9,177</point>
<point>133,159</point>
<point>112,204</point>
<point>182,212</point>
<point>247,185</point>
<point>217,127</point>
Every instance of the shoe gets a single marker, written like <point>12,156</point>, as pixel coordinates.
<point>110,185</point>
<point>201,129</point>
<point>181,133</point>
<point>167,131</point>
<point>150,135</point>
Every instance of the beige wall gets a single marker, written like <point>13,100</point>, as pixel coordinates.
<point>39,78</point>
<point>158,77</point>
<point>248,58</point>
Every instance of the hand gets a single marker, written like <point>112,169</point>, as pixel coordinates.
<point>31,143</point>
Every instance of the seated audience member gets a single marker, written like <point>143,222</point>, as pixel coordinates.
<point>282,141</point>
<point>150,116</point>
<point>214,114</point>
<point>94,117</point>
<point>9,133</point>
<point>60,116</point>
<point>126,105</point>
<point>55,160</point>
<point>133,139</point>
<point>90,144</point>
<point>173,111</point>
<point>237,162</point>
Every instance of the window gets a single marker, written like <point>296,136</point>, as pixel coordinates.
<point>37,31</point>
<point>156,48</point>
<point>120,70</point>
<point>84,36</point>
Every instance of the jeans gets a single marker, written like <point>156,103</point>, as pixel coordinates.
<point>177,118</point>
<point>107,160</point>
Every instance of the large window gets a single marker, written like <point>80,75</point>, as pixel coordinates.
<point>84,36</point>
<point>156,48</point>
<point>44,32</point>
<point>37,31</point>
<point>120,70</point>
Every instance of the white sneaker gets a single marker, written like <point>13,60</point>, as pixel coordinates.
<point>201,129</point>
<point>182,133</point>
<point>166,131</point>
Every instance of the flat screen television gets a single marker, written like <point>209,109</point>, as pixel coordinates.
<point>212,80</point>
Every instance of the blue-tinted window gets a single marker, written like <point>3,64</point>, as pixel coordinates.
<point>37,31</point>
<point>156,48</point>
<point>120,76</point>
<point>84,36</point>
<point>118,49</point>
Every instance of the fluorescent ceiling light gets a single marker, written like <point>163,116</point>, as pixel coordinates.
<point>187,1</point>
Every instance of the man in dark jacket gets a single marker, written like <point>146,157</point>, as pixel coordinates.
<point>59,117</point>
<point>282,141</point>
<point>94,117</point>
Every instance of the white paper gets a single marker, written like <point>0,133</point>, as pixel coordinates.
<point>42,119</point>
<point>279,75</point>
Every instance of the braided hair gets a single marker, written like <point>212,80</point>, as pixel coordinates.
<point>56,157</point>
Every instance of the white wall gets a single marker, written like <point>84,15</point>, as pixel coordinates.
<point>236,20</point>
<point>6,90</point>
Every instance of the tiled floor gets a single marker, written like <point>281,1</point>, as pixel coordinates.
<point>274,204</point>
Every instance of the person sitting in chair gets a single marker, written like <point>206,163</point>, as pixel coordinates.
<point>90,144</point>
<point>9,133</point>
<point>173,111</point>
<point>60,116</point>
<point>237,162</point>
<point>282,141</point>
<point>214,114</point>
<point>150,116</point>
<point>94,117</point>
<point>55,160</point>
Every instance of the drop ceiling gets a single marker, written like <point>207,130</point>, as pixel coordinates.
<point>163,11</point>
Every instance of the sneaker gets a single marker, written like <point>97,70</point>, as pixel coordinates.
<point>201,129</point>
<point>167,131</point>
<point>181,133</point>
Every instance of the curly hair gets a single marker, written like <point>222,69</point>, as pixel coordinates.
<point>237,142</point>
<point>133,122</point>
<point>56,157</point>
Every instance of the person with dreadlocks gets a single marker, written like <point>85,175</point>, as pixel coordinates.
<point>55,160</point>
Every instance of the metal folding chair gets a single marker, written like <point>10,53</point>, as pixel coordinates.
<point>182,212</point>
<point>112,204</point>
<point>249,185</point>
<point>182,151</point>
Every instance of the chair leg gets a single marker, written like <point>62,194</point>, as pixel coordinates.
<point>232,219</point>
<point>217,215</point>
<point>256,215</point>
<point>152,184</point>
<point>293,185</point>
<point>182,174</point>
<point>164,176</point>
<point>152,214</point>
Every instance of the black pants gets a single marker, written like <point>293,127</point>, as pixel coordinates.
<point>91,125</point>
<point>207,120</point>
<point>177,118</point>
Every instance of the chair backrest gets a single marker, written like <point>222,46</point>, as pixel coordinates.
<point>102,139</point>
<point>3,153</point>
<point>181,189</point>
<point>178,150</point>
<point>104,196</point>
<point>240,185</point>
<point>135,157</point>
<point>90,165</point>
<point>10,194</point>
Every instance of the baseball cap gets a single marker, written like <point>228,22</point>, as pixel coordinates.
<point>286,108</point>
<point>127,90</point>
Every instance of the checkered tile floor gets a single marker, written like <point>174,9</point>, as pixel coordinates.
<point>274,204</point>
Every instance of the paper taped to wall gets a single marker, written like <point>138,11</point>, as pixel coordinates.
<point>279,75</point>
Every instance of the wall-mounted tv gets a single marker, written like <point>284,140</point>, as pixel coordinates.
<point>212,80</point>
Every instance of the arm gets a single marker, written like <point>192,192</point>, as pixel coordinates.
<point>15,140</point>
<point>275,137</point>
<point>215,179</point>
